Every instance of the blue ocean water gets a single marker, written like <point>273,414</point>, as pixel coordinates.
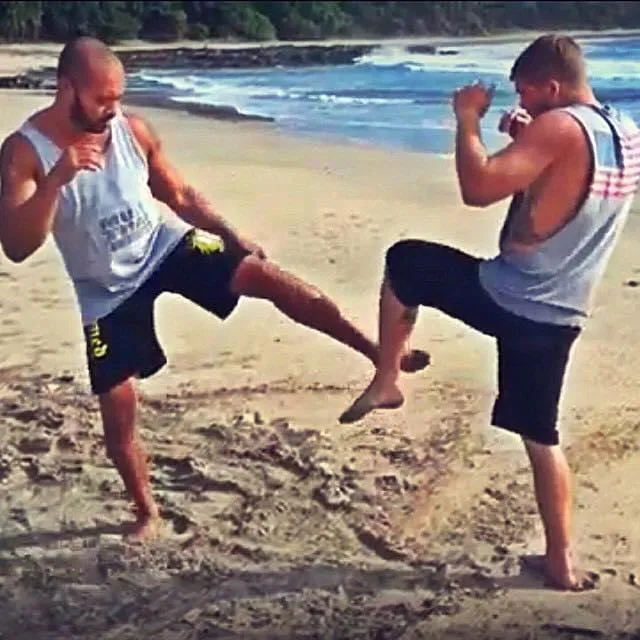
<point>391,97</point>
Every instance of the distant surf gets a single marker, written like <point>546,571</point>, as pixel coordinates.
<point>390,97</point>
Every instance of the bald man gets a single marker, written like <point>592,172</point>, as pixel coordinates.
<point>86,172</point>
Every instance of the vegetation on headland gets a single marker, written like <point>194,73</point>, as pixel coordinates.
<point>164,21</point>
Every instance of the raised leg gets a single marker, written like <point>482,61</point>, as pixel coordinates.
<point>395,325</point>
<point>309,306</point>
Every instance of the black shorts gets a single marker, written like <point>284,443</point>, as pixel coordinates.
<point>532,356</point>
<point>124,343</point>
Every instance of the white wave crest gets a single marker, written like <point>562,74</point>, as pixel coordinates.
<point>497,59</point>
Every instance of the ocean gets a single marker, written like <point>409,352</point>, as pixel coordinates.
<point>391,98</point>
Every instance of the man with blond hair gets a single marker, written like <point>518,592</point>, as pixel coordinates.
<point>572,170</point>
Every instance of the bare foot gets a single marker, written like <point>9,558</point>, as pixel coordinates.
<point>144,529</point>
<point>375,396</point>
<point>415,360</point>
<point>560,573</point>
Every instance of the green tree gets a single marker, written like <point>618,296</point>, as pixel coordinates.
<point>163,21</point>
<point>20,20</point>
<point>116,22</point>
<point>64,20</point>
<point>158,20</point>
<point>240,19</point>
<point>328,17</point>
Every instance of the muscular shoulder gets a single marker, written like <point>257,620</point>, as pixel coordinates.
<point>18,158</point>
<point>143,132</point>
<point>556,129</point>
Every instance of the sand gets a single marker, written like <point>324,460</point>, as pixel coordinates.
<point>279,522</point>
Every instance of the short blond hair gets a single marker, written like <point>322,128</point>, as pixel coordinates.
<point>550,57</point>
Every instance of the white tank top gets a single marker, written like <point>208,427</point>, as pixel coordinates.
<point>108,227</point>
<point>556,282</point>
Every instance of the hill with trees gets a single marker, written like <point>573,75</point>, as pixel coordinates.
<point>113,21</point>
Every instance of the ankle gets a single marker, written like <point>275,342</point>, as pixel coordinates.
<point>147,511</point>
<point>387,377</point>
<point>559,552</point>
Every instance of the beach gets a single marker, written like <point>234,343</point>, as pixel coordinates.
<point>281,523</point>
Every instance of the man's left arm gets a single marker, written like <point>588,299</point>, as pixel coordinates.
<point>168,186</point>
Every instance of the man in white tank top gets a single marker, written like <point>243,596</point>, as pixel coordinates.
<point>85,172</point>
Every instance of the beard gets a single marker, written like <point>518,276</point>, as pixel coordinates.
<point>81,120</point>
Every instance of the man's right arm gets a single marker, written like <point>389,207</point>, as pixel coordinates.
<point>487,179</point>
<point>28,202</point>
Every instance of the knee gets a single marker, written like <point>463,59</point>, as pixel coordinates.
<point>404,252</point>
<point>398,249</point>
<point>317,305</point>
<point>256,278</point>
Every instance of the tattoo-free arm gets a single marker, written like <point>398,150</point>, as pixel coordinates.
<point>27,205</point>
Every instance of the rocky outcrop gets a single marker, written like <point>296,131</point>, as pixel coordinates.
<point>211,58</point>
<point>430,49</point>
<point>23,81</point>
<point>218,112</point>
<point>248,57</point>
<point>421,48</point>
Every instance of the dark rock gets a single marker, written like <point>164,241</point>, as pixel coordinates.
<point>22,81</point>
<point>440,607</point>
<point>73,468</point>
<point>379,544</point>
<point>496,494</point>
<point>583,632</point>
<point>67,442</point>
<point>388,482</point>
<point>45,417</point>
<point>333,494</point>
<point>275,452</point>
<point>400,456</point>
<point>42,474</point>
<point>36,444</point>
<point>421,48</point>
<point>255,554</point>
<point>19,515</point>
<point>249,57</point>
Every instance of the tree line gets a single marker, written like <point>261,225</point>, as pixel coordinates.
<point>113,21</point>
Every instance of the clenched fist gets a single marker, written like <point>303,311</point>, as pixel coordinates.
<point>513,122</point>
<point>84,156</point>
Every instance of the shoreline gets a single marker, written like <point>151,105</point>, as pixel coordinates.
<point>149,55</point>
<point>53,48</point>
<point>48,51</point>
<point>225,113</point>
